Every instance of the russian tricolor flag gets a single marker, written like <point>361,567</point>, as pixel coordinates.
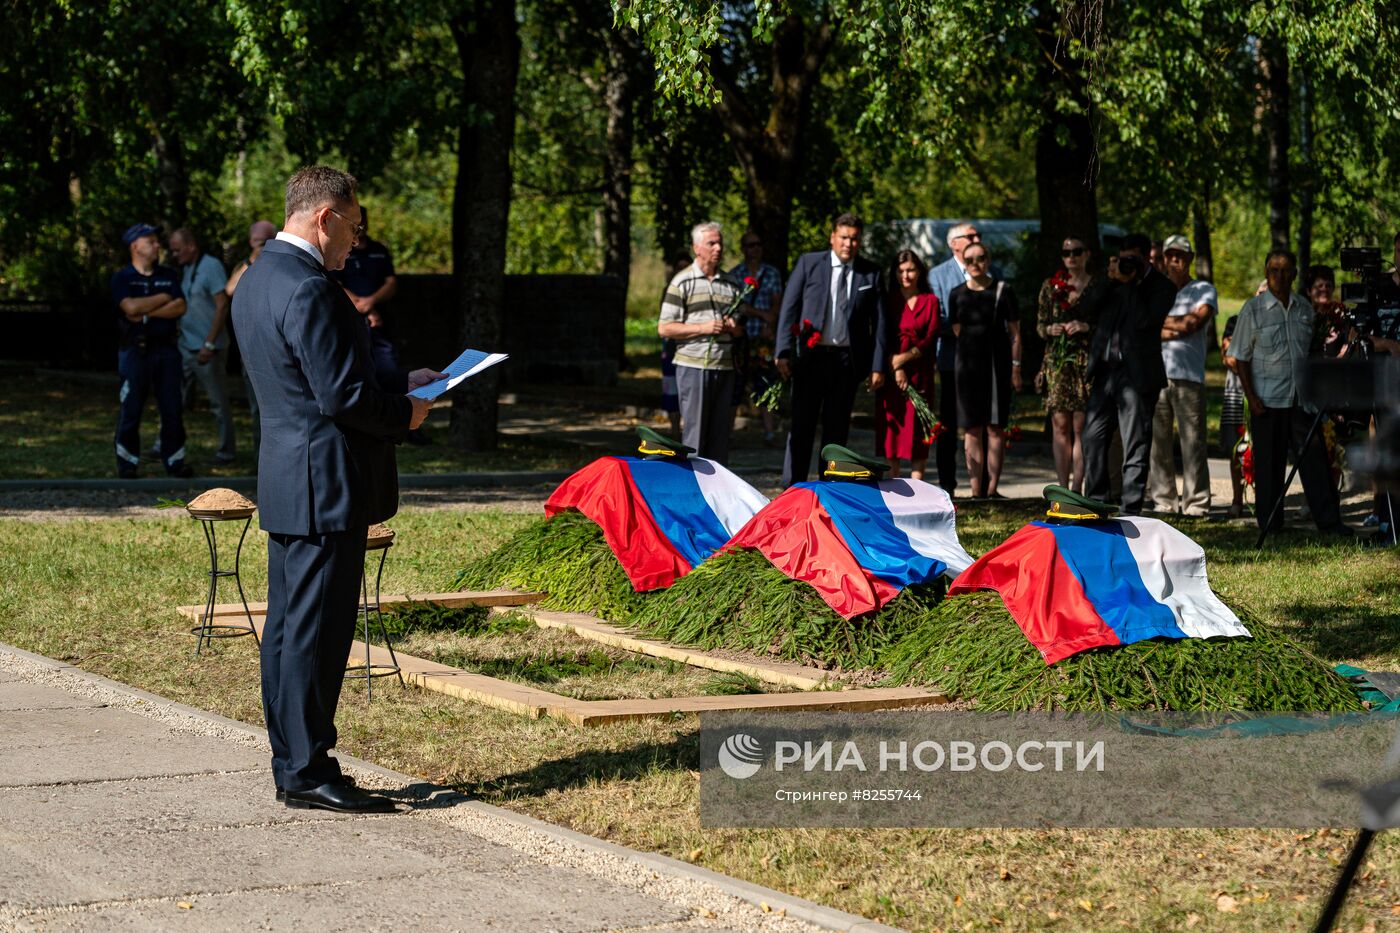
<point>661,518</point>
<point>858,544</point>
<point>1112,582</point>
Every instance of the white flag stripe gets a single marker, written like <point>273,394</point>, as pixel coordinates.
<point>1173,568</point>
<point>925,514</point>
<point>732,500</point>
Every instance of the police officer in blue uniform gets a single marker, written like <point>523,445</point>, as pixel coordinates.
<point>368,278</point>
<point>149,302</point>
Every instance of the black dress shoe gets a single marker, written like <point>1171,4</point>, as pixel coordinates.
<point>344,779</point>
<point>339,798</point>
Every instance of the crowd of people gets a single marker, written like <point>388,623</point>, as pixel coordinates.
<point>1124,365</point>
<point>175,336</point>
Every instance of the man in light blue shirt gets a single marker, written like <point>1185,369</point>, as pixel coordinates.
<point>203,334</point>
<point>1271,343</point>
<point>1184,398</point>
<point>942,279</point>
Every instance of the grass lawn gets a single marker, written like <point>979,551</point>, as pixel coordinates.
<point>100,594</point>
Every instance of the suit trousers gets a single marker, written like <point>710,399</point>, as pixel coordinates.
<point>1115,402</point>
<point>1277,434</point>
<point>213,381</point>
<point>707,410</point>
<point>313,596</point>
<point>1186,402</point>
<point>946,444</point>
<point>824,385</point>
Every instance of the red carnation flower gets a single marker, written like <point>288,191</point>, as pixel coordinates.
<point>750,281</point>
<point>814,338</point>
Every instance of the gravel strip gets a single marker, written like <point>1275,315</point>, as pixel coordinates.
<point>713,907</point>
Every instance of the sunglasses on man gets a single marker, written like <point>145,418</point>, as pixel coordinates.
<point>1076,252</point>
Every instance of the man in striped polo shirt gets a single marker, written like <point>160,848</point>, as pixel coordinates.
<point>692,314</point>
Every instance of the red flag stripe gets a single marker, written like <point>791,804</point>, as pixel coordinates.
<point>1041,592</point>
<point>798,537</point>
<point>605,492</point>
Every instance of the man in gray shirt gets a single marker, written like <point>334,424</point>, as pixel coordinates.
<point>203,334</point>
<point>693,315</point>
<point>1271,343</point>
<point>1184,398</point>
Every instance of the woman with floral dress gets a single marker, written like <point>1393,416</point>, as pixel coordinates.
<point>1067,313</point>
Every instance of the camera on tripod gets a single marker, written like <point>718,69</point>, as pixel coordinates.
<point>1363,298</point>
<point>1362,385</point>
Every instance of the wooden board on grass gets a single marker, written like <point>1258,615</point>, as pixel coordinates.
<point>595,629</point>
<point>461,600</point>
<point>536,703</point>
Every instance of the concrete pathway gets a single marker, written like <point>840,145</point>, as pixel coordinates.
<point>122,811</point>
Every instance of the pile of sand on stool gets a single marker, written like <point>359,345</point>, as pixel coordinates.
<point>221,500</point>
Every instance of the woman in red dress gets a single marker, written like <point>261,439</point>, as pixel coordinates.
<point>913,310</point>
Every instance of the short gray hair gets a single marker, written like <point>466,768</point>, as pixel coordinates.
<point>699,230</point>
<point>957,230</point>
<point>317,186</point>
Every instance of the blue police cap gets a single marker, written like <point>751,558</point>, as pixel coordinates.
<point>137,231</point>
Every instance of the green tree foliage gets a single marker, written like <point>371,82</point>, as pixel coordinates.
<point>110,113</point>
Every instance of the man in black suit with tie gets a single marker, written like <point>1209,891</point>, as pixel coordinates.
<point>326,472</point>
<point>1126,373</point>
<point>831,335</point>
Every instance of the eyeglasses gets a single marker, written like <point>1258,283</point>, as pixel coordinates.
<point>1076,251</point>
<point>355,228</point>
<point>975,260</point>
<point>974,236</point>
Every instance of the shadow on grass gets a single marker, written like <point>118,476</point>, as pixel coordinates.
<point>1361,634</point>
<point>591,767</point>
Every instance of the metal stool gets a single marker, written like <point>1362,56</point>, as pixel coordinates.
<point>207,629</point>
<point>378,539</point>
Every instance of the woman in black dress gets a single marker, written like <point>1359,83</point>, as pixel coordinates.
<point>987,369</point>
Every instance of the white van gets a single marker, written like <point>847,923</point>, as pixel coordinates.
<point>1005,239</point>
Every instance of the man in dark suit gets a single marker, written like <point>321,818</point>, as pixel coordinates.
<point>1126,373</point>
<point>831,335</point>
<point>326,472</point>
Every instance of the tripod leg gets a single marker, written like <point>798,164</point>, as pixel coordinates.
<point>1338,897</point>
<point>1297,462</point>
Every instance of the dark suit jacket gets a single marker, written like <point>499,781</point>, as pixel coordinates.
<point>328,432</point>
<point>808,297</point>
<point>1141,308</point>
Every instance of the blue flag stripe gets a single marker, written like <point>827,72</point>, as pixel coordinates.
<point>671,491</point>
<point>859,512</point>
<point>1099,557</point>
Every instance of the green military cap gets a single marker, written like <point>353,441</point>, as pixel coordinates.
<point>657,446</point>
<point>842,463</point>
<point>1069,506</point>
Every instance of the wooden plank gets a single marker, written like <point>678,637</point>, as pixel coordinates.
<point>535,703</point>
<point>455,600</point>
<point>600,712</point>
<point>595,629</point>
<point>442,678</point>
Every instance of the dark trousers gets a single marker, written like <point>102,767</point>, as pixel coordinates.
<point>313,595</point>
<point>823,389</point>
<point>1276,434</point>
<point>159,370</point>
<point>1115,402</point>
<point>946,445</point>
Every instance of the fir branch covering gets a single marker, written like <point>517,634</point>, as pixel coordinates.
<point>969,646</point>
